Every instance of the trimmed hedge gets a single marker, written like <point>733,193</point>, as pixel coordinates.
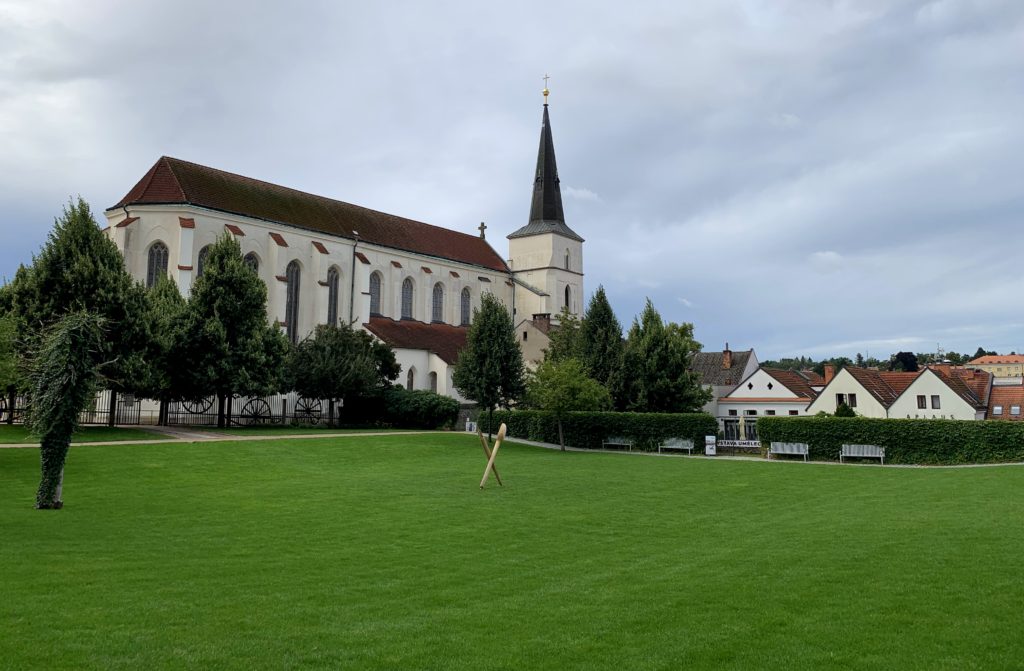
<point>419,409</point>
<point>589,429</point>
<point>906,441</point>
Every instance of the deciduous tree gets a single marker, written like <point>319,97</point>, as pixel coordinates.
<point>563,386</point>
<point>333,363</point>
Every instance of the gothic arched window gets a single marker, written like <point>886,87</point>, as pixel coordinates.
<point>567,259</point>
<point>568,296</point>
<point>291,309</point>
<point>466,307</point>
<point>437,313</point>
<point>332,296</point>
<point>433,382</point>
<point>157,263</point>
<point>410,379</point>
<point>252,261</point>
<point>201,261</point>
<point>375,295</point>
<point>407,298</point>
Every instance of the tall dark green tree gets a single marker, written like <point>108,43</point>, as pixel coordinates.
<point>333,363</point>
<point>232,348</point>
<point>166,311</point>
<point>655,375</point>
<point>62,381</point>
<point>904,361</point>
<point>80,270</point>
<point>601,339</point>
<point>9,369</point>
<point>490,368</point>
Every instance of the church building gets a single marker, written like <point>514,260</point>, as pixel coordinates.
<point>413,285</point>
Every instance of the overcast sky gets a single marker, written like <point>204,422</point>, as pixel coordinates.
<point>818,178</point>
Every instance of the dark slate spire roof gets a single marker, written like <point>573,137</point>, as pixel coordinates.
<point>546,215</point>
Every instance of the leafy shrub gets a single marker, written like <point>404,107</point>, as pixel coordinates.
<point>419,409</point>
<point>589,429</point>
<point>906,441</point>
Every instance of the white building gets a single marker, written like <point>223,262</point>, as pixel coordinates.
<point>411,284</point>
<point>766,393</point>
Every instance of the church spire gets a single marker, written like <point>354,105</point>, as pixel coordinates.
<point>546,214</point>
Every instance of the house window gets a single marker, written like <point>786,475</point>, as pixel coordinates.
<point>524,336</point>
<point>851,400</point>
<point>935,403</point>
<point>732,413</point>
<point>407,298</point>
<point>375,295</point>
<point>1015,410</point>
<point>794,412</point>
<point>157,263</point>
<point>466,307</point>
<point>437,313</point>
<point>201,260</point>
<point>769,412</point>
<point>252,261</point>
<point>433,382</point>
<point>332,296</point>
<point>921,402</point>
<point>291,310</point>
<point>997,410</point>
<point>840,399</point>
<point>750,412</point>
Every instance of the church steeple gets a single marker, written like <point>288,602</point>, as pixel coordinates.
<point>546,214</point>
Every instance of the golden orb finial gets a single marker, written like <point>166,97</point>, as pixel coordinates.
<point>546,91</point>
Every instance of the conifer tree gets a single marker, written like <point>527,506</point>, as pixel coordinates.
<point>166,312</point>
<point>231,347</point>
<point>566,341</point>
<point>655,375</point>
<point>490,368</point>
<point>601,339</point>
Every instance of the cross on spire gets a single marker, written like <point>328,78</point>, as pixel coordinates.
<point>482,227</point>
<point>546,78</point>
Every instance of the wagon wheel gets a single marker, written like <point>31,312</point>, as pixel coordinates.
<point>257,411</point>
<point>197,407</point>
<point>308,410</point>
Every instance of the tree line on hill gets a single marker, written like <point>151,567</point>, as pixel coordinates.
<point>899,361</point>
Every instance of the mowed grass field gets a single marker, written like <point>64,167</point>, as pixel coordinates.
<point>382,553</point>
<point>18,433</point>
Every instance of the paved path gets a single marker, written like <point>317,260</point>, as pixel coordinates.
<point>176,434</point>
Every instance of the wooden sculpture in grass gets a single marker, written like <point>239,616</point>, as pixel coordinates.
<point>62,382</point>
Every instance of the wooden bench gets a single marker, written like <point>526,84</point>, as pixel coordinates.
<point>799,449</point>
<point>867,451</point>
<point>620,442</point>
<point>676,444</point>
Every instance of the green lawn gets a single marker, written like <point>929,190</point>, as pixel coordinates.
<point>17,433</point>
<point>382,553</point>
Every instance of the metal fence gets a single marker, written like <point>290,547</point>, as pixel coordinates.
<point>250,411</point>
<point>127,409</point>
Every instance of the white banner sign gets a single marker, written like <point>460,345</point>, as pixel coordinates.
<point>739,443</point>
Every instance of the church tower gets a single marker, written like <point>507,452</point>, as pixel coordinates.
<point>546,256</point>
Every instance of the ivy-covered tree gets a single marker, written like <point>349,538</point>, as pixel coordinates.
<point>601,339</point>
<point>232,348</point>
<point>80,269</point>
<point>333,363</point>
<point>62,382</point>
<point>655,374</point>
<point>490,368</point>
<point>563,386</point>
<point>904,361</point>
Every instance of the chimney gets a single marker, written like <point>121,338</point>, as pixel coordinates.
<point>542,321</point>
<point>830,372</point>
<point>727,357</point>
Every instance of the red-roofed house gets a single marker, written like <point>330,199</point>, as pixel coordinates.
<point>1000,365</point>
<point>767,392</point>
<point>411,284</point>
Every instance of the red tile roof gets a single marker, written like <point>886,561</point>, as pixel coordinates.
<point>1007,397</point>
<point>998,358</point>
<point>173,181</point>
<point>127,221</point>
<point>793,381</point>
<point>886,386</point>
<point>444,340</point>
